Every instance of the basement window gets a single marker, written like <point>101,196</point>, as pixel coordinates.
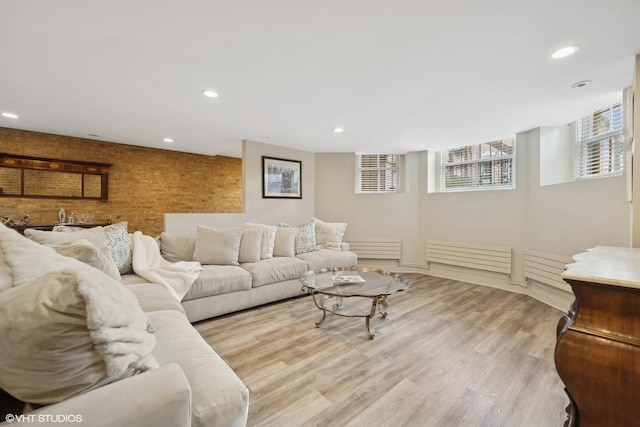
<point>490,165</point>
<point>600,143</point>
<point>378,173</point>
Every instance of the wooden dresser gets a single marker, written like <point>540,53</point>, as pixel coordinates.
<point>598,347</point>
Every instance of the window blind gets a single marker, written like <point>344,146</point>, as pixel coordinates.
<point>379,173</point>
<point>486,165</point>
<point>600,142</point>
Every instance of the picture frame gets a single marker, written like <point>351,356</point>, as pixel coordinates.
<point>281,178</point>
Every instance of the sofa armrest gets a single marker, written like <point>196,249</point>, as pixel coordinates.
<point>344,247</point>
<point>160,397</point>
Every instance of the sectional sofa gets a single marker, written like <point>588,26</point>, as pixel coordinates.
<point>83,336</point>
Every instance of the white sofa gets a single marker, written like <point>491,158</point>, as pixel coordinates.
<point>192,385</point>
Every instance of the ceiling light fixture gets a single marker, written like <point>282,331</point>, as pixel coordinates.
<point>581,84</point>
<point>10,115</point>
<point>338,130</point>
<point>168,140</point>
<point>565,51</point>
<point>210,93</point>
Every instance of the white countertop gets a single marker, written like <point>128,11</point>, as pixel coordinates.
<point>616,266</point>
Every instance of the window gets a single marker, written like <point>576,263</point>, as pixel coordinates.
<point>481,166</point>
<point>378,173</point>
<point>600,142</point>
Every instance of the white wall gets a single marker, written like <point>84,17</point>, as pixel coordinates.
<point>561,219</point>
<point>256,208</point>
<point>368,215</point>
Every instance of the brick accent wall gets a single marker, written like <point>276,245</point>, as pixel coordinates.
<point>144,183</point>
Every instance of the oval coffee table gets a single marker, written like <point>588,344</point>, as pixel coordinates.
<point>329,288</point>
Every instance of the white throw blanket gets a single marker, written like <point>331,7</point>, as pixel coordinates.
<point>147,262</point>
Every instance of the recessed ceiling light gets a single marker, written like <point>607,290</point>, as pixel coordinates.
<point>210,93</point>
<point>565,51</point>
<point>338,130</point>
<point>581,84</point>
<point>10,115</point>
<point>168,140</point>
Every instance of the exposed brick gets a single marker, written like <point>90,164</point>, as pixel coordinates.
<point>144,183</point>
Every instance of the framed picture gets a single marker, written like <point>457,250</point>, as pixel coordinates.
<point>281,178</point>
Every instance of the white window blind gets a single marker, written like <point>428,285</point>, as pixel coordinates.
<point>480,166</point>
<point>600,139</point>
<point>378,173</point>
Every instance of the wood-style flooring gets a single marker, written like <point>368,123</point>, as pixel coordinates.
<point>448,354</point>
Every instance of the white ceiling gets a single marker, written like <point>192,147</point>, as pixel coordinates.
<point>397,75</point>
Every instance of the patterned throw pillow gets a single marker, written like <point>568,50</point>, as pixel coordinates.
<point>119,246</point>
<point>306,237</point>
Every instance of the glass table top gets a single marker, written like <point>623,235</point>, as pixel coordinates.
<point>361,281</point>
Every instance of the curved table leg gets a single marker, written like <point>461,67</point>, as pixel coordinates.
<point>324,315</point>
<point>367,322</point>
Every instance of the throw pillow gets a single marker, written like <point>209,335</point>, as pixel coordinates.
<point>267,238</point>
<point>94,235</point>
<point>219,246</point>
<point>306,238</point>
<point>329,234</point>
<point>6,279</point>
<point>119,246</point>
<point>177,248</point>
<point>250,245</point>
<point>85,252</point>
<point>285,244</point>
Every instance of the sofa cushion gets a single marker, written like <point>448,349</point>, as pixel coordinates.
<point>329,234</point>
<point>285,244</point>
<point>267,238</point>
<point>154,297</point>
<point>177,248</point>
<point>329,258</point>
<point>250,245</point>
<point>130,279</point>
<point>219,279</point>
<point>275,270</point>
<point>220,246</point>
<point>218,396</point>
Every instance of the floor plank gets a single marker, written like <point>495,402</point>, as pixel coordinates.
<point>448,354</point>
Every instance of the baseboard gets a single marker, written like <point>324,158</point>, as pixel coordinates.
<point>550,295</point>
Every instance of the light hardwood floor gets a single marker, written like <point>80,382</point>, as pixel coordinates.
<point>448,354</point>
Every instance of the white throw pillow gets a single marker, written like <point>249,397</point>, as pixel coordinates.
<point>329,234</point>
<point>250,245</point>
<point>95,235</point>
<point>285,244</point>
<point>217,246</point>
<point>6,278</point>
<point>85,252</point>
<point>177,248</point>
<point>267,238</point>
